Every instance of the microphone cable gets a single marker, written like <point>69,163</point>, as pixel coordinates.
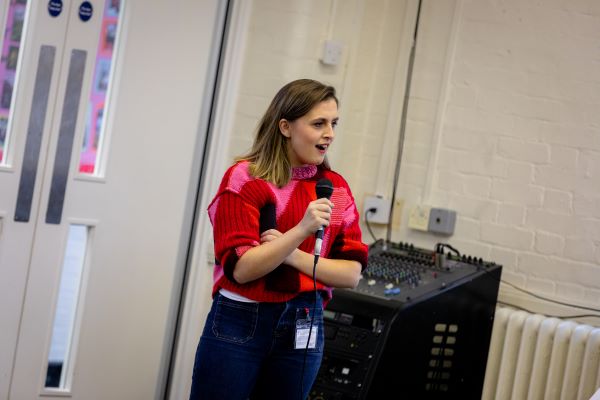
<point>314,308</point>
<point>323,189</point>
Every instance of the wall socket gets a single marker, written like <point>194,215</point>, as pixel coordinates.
<point>431,219</point>
<point>442,221</point>
<point>382,209</point>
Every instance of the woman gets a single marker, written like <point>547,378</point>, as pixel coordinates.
<point>263,337</point>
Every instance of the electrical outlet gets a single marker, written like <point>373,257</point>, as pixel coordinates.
<point>382,209</point>
<point>419,217</point>
<point>442,221</point>
<point>332,52</point>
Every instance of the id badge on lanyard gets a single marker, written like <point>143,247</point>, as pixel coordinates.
<point>303,331</point>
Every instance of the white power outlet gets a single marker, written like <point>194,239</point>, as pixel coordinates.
<point>381,215</point>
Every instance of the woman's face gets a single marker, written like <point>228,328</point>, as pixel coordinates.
<point>312,134</point>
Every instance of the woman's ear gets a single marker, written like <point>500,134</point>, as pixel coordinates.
<point>284,127</point>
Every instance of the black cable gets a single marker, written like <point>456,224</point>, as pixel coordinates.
<point>370,211</point>
<point>314,276</point>
<point>439,249</point>
<point>550,300</point>
<point>547,315</point>
<point>403,119</point>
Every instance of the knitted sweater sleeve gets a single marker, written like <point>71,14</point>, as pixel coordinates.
<point>347,243</point>
<point>235,213</point>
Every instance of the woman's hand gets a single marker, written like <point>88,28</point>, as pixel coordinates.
<point>269,235</point>
<point>272,234</point>
<point>317,214</point>
<point>336,273</point>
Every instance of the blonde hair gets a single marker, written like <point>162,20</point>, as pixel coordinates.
<point>268,157</point>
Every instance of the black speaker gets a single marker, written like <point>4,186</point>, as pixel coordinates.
<point>418,326</point>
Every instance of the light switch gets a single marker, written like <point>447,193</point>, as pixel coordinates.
<point>419,217</point>
<point>332,52</point>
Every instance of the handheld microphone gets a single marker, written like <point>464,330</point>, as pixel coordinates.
<point>324,188</point>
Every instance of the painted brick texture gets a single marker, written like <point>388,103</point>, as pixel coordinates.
<point>522,90</point>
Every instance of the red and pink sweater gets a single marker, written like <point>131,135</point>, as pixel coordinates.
<point>235,212</point>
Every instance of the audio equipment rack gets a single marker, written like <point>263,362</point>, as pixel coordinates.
<point>417,326</point>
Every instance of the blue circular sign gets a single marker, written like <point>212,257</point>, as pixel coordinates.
<point>55,7</point>
<point>85,11</point>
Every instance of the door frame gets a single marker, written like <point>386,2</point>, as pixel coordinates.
<point>197,282</point>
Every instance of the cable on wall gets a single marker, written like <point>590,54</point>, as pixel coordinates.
<point>411,62</point>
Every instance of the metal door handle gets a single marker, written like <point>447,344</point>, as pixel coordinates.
<point>64,145</point>
<point>35,129</point>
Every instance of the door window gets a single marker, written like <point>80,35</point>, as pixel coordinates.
<point>91,152</point>
<point>9,59</point>
<point>64,331</point>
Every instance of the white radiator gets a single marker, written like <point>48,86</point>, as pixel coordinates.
<point>533,357</point>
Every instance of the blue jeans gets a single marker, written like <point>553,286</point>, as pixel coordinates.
<point>247,350</point>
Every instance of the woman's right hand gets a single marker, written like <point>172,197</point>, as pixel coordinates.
<point>317,214</point>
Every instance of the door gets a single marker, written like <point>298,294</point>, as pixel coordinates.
<point>92,255</point>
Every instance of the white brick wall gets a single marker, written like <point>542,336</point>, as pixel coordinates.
<point>548,243</point>
<point>518,154</point>
<point>503,123</point>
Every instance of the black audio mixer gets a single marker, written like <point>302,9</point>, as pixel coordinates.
<point>403,272</point>
<point>417,326</point>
